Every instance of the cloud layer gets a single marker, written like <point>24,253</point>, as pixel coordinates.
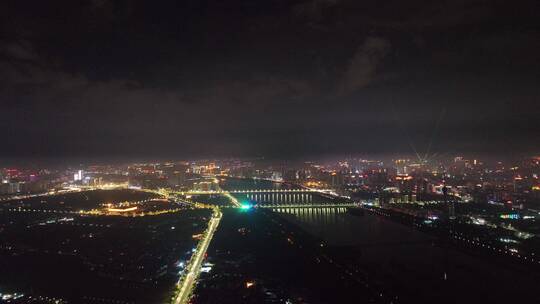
<point>272,78</point>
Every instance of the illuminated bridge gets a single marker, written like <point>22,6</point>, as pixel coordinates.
<point>292,199</point>
<point>309,206</point>
<point>281,198</point>
<point>196,192</point>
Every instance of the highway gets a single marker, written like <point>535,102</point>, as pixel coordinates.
<point>194,267</point>
<point>231,198</point>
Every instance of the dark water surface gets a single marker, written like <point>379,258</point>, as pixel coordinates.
<point>417,266</point>
<point>398,260</point>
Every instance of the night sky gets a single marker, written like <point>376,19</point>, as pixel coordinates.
<point>274,78</point>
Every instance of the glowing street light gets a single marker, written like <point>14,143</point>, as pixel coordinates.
<point>245,206</point>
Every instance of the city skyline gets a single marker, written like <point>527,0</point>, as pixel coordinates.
<point>235,230</point>
<point>269,151</point>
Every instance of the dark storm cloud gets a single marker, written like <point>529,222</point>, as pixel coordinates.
<point>21,50</point>
<point>271,77</point>
<point>363,65</point>
<point>313,9</point>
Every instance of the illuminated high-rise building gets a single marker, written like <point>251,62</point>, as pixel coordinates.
<point>78,176</point>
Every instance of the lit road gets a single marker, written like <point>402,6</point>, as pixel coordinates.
<point>231,198</point>
<point>194,266</point>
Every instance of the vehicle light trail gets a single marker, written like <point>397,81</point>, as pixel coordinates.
<point>187,282</point>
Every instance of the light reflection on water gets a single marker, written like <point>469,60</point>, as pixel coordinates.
<point>400,253</point>
<point>321,217</point>
<point>338,227</point>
